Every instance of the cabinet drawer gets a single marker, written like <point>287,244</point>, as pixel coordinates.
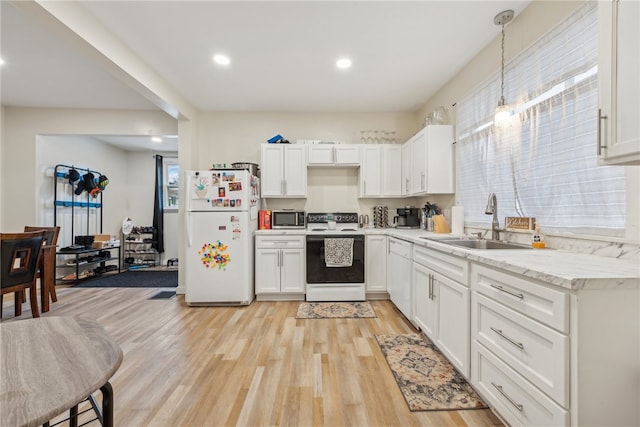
<point>535,351</point>
<point>279,241</point>
<point>400,247</point>
<point>451,266</point>
<point>543,304</point>
<point>515,399</point>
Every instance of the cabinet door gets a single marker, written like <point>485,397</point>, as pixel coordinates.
<point>376,263</point>
<point>425,307</point>
<point>346,154</point>
<point>370,171</point>
<point>320,154</point>
<point>272,170</point>
<point>439,160</point>
<point>295,170</point>
<point>406,168</point>
<point>453,336</point>
<point>399,276</point>
<point>619,86</point>
<point>292,270</point>
<point>418,182</point>
<point>267,271</point>
<point>391,170</point>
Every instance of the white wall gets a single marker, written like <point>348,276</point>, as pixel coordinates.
<point>87,153</point>
<point>21,127</point>
<point>140,193</point>
<point>225,137</point>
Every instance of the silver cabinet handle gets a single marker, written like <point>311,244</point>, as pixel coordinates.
<point>511,340</point>
<point>406,185</point>
<point>281,258</point>
<point>506,396</point>
<point>430,285</point>
<point>599,131</point>
<point>500,288</point>
<point>364,185</point>
<point>422,185</point>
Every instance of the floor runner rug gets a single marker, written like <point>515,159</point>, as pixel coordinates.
<point>334,310</point>
<point>133,279</point>
<point>426,378</point>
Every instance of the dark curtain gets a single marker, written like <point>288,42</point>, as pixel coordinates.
<point>158,208</point>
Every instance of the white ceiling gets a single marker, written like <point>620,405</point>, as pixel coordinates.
<point>283,53</point>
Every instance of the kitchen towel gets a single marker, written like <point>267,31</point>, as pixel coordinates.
<point>457,220</point>
<point>338,252</point>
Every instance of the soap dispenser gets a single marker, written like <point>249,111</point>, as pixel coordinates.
<point>537,240</point>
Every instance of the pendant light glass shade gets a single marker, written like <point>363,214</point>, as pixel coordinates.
<point>503,113</point>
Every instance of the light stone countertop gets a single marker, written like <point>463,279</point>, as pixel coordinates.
<point>562,268</point>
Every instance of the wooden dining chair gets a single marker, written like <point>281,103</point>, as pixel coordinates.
<point>19,257</point>
<point>47,265</point>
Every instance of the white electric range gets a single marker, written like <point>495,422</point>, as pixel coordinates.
<point>334,257</point>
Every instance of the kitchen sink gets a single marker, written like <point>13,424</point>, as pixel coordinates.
<point>485,244</point>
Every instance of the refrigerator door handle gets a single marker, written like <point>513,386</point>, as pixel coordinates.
<point>188,227</point>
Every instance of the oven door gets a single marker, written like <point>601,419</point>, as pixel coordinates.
<point>317,270</point>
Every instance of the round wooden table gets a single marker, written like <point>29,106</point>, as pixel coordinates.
<point>50,364</point>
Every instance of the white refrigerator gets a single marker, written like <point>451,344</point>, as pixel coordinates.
<point>221,219</point>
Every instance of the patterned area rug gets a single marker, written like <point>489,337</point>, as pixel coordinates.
<point>334,310</point>
<point>426,379</point>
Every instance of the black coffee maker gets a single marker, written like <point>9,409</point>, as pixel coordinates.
<point>408,217</point>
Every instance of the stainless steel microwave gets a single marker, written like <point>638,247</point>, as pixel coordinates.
<point>287,218</point>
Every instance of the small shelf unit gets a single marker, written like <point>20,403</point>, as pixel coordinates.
<point>139,248</point>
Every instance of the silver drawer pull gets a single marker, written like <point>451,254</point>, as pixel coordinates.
<point>500,288</point>
<point>506,396</point>
<point>511,340</point>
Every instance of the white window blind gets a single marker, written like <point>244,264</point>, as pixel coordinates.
<point>544,163</point>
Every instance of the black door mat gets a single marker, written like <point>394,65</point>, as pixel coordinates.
<point>164,295</point>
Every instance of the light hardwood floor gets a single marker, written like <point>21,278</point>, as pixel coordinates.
<point>248,366</point>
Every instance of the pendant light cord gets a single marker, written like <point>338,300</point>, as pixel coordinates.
<point>502,67</point>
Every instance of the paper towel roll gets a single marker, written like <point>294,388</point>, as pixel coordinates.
<point>457,220</point>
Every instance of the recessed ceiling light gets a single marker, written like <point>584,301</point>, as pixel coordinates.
<point>221,59</point>
<point>1,61</point>
<point>156,139</point>
<point>343,63</point>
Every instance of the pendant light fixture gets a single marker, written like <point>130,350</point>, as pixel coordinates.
<point>503,112</point>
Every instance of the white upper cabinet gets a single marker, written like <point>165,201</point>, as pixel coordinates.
<point>428,162</point>
<point>619,84</point>
<point>334,155</point>
<point>284,170</point>
<point>380,170</point>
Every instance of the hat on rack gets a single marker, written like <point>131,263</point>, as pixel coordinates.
<point>102,182</point>
<point>73,175</point>
<point>89,181</point>
<point>79,188</point>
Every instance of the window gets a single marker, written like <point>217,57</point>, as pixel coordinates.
<point>544,163</point>
<point>171,182</point>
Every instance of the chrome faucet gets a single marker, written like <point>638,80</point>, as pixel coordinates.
<point>492,209</point>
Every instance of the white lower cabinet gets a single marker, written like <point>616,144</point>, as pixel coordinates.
<point>375,275</point>
<point>280,267</point>
<point>441,304</point>
<point>515,399</point>
<point>521,347</point>
<point>399,275</point>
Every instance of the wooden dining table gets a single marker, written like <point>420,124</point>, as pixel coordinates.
<point>50,364</point>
